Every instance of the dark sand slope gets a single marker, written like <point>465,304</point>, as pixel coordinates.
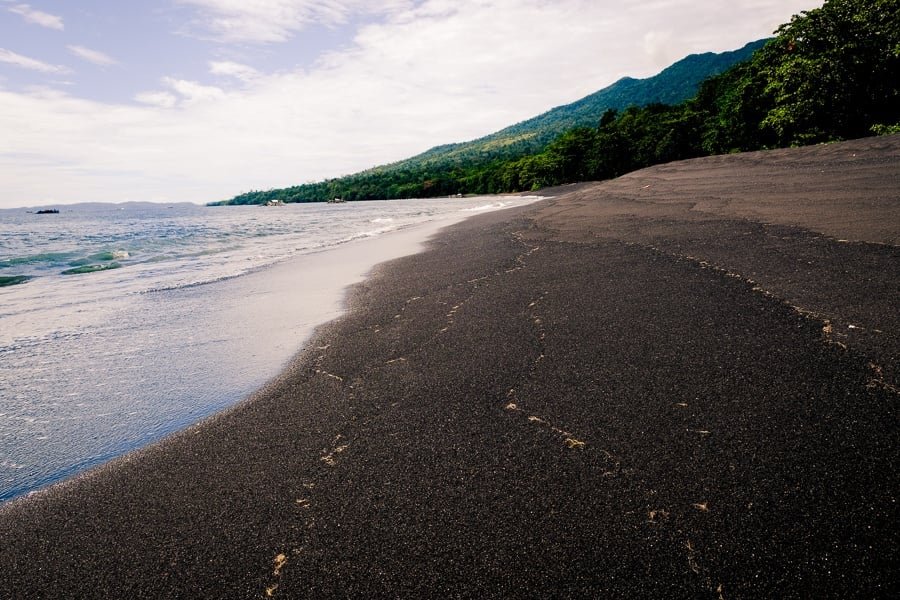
<point>586,397</point>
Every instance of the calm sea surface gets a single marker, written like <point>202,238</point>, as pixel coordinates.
<point>120,324</point>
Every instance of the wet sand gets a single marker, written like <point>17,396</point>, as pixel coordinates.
<point>681,383</point>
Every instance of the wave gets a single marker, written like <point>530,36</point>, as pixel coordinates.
<point>210,280</point>
<point>71,259</point>
<point>99,257</point>
<point>268,260</point>
<point>13,280</point>
<point>483,207</point>
<point>91,268</point>
<point>114,255</point>
<point>366,234</point>
<point>503,204</point>
<point>31,259</point>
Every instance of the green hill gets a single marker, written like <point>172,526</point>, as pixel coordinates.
<point>673,85</point>
<point>830,74</point>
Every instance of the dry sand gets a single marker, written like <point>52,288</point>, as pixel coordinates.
<point>681,383</point>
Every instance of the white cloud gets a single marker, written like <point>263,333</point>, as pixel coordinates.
<point>233,69</point>
<point>440,72</point>
<point>37,17</point>
<point>32,64</point>
<point>93,56</point>
<point>266,21</point>
<point>189,93</point>
<point>193,92</point>
<point>160,99</point>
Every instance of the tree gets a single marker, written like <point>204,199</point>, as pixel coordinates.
<point>833,72</point>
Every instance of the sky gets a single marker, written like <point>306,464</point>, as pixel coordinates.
<point>200,100</point>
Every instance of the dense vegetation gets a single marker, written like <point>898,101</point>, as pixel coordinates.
<point>832,73</point>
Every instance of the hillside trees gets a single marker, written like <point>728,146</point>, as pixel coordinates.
<point>834,72</point>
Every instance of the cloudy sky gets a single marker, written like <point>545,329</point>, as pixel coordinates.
<point>198,100</point>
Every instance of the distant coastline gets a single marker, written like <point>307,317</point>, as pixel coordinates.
<point>59,208</point>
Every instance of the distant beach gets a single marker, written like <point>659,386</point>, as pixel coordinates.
<point>680,383</point>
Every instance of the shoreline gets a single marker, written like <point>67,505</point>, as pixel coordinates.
<point>601,393</point>
<point>291,297</point>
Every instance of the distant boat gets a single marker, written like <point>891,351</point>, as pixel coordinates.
<point>47,211</point>
<point>336,201</point>
<point>274,203</point>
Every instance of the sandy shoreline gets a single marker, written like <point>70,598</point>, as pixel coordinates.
<point>650,387</point>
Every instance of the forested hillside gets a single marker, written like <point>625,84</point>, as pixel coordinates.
<point>674,84</point>
<point>426,173</point>
<point>832,73</point>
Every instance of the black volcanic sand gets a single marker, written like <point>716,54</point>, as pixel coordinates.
<point>648,387</point>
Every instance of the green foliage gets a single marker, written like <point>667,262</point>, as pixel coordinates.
<point>731,109</point>
<point>881,129</point>
<point>831,73</point>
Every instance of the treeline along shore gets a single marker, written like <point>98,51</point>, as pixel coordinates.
<point>681,383</point>
<point>830,74</point>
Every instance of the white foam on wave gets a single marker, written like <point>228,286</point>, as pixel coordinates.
<point>516,201</point>
<point>198,282</point>
<point>483,207</point>
<point>367,234</point>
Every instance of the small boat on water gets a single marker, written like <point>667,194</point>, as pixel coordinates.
<point>274,203</point>
<point>47,211</point>
<point>336,201</point>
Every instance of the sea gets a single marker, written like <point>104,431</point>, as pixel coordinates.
<point>123,323</point>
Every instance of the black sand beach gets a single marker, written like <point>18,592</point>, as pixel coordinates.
<point>682,383</point>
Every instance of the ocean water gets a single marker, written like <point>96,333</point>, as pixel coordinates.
<point>120,324</point>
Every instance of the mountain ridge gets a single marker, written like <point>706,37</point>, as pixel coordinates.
<point>676,83</point>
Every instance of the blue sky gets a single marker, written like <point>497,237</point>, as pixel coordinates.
<point>198,100</point>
